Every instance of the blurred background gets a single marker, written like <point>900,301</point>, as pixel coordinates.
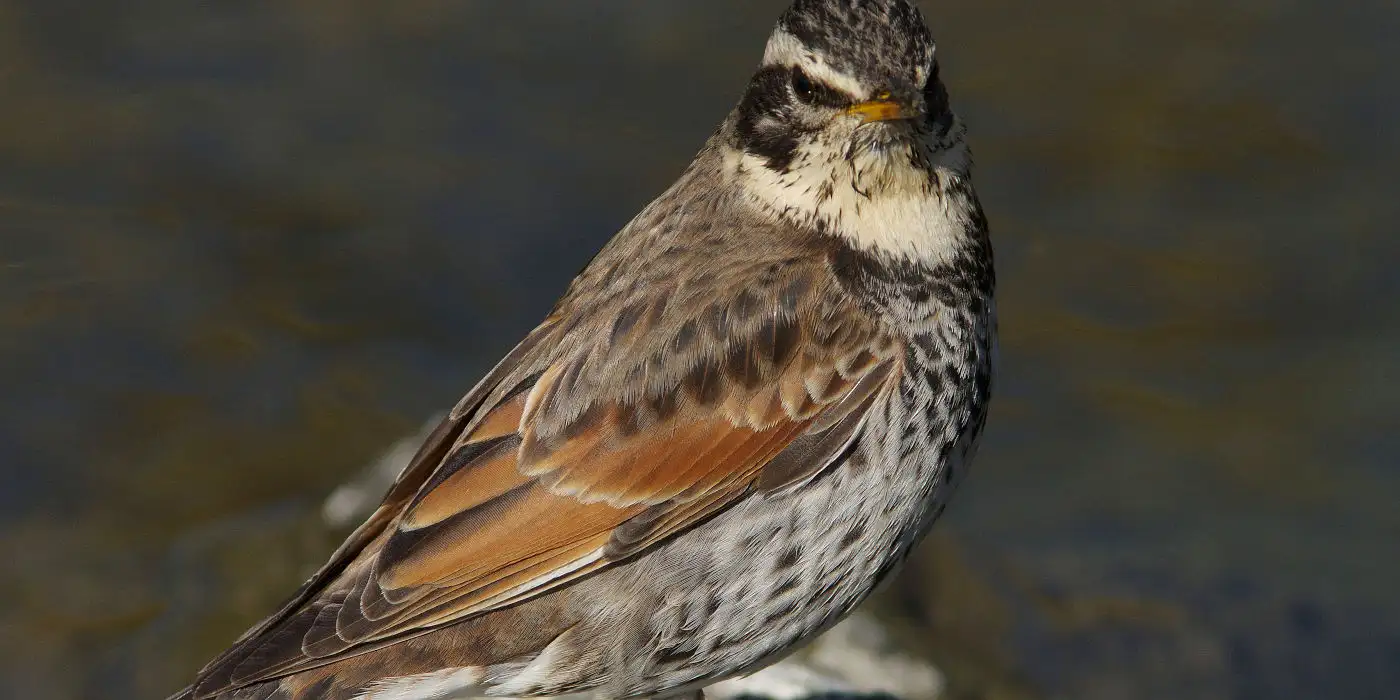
<point>246,246</point>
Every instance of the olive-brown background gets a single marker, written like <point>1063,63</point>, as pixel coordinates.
<point>246,245</point>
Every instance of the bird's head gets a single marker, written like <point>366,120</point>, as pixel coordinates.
<point>846,127</point>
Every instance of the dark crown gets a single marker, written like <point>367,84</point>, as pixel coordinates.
<point>873,41</point>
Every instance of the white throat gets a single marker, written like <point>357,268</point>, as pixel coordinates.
<point>876,201</point>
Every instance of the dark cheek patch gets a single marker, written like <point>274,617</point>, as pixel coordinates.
<point>776,145</point>
<point>936,102</point>
<point>764,113</point>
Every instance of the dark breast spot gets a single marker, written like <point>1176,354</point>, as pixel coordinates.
<point>788,560</point>
<point>787,586</point>
<point>852,536</point>
<point>782,613</point>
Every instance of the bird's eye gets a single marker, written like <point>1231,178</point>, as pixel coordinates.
<point>802,86</point>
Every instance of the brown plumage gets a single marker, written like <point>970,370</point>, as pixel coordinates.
<point>720,378</point>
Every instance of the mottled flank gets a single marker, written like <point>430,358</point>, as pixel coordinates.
<point>732,426</point>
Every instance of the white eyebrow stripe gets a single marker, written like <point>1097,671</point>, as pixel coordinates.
<point>784,49</point>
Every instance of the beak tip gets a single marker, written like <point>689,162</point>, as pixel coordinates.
<point>881,109</point>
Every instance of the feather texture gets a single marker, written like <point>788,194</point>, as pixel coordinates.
<point>739,418</point>
<point>615,426</point>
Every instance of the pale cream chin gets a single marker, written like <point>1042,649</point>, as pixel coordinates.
<point>878,203</point>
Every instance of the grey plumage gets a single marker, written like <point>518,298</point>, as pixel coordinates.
<point>741,416</point>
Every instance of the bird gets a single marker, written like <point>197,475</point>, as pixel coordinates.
<point>738,419</point>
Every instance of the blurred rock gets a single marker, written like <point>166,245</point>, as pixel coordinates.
<point>855,658</point>
<point>355,499</point>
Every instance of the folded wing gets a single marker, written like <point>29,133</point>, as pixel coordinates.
<point>579,451</point>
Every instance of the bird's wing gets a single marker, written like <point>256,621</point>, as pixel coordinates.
<point>585,447</point>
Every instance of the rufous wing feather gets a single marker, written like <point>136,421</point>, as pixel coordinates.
<point>585,460</point>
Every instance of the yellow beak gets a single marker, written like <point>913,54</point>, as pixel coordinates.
<point>880,109</point>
